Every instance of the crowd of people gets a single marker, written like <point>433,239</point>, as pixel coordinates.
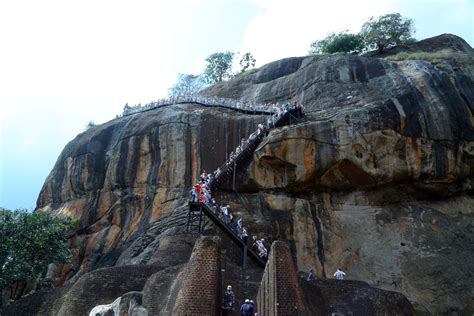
<point>268,108</point>
<point>201,191</point>
<point>204,100</point>
<point>278,110</point>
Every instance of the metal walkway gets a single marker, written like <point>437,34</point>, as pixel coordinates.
<point>229,169</point>
<point>198,209</point>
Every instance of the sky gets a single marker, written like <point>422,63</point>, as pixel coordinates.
<point>64,63</point>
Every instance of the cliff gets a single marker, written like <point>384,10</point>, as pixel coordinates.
<point>377,178</point>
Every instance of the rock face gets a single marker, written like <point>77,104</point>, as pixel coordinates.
<point>377,178</point>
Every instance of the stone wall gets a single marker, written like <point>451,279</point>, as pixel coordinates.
<point>103,286</point>
<point>199,294</point>
<point>279,292</point>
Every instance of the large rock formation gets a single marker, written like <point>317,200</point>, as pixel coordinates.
<point>378,177</point>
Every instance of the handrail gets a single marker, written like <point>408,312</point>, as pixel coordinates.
<point>260,109</point>
<point>209,213</point>
<point>229,164</point>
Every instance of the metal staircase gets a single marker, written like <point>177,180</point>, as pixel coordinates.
<point>197,210</point>
<point>229,169</point>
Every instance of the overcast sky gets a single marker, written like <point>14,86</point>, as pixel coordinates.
<point>64,63</point>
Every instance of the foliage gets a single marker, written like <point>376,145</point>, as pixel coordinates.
<point>245,73</point>
<point>342,42</point>
<point>433,57</point>
<point>218,67</point>
<point>29,242</point>
<point>127,108</point>
<point>90,125</point>
<point>187,84</point>
<point>387,31</point>
<point>247,61</point>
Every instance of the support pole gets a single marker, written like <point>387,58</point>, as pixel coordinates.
<point>233,181</point>
<point>245,265</point>
<point>200,219</point>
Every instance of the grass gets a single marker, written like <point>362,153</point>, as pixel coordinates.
<point>245,73</point>
<point>434,57</point>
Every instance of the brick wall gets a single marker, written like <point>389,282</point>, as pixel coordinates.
<point>199,294</point>
<point>279,292</point>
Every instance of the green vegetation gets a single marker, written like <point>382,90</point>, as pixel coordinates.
<point>29,242</point>
<point>246,62</point>
<point>218,67</point>
<point>387,31</point>
<point>187,84</point>
<point>245,73</point>
<point>377,33</point>
<point>342,42</point>
<point>432,57</point>
<point>457,59</point>
<point>90,125</point>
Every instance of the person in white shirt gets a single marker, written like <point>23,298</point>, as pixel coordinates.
<point>339,274</point>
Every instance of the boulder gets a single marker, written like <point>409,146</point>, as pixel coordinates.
<point>378,177</point>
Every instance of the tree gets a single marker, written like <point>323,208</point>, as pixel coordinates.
<point>342,42</point>
<point>90,125</point>
<point>387,31</point>
<point>29,242</point>
<point>247,61</point>
<point>218,67</point>
<point>186,84</point>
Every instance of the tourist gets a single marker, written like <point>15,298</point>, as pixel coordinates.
<point>254,244</point>
<point>225,213</point>
<point>252,137</point>
<point>310,276</point>
<point>232,223</point>
<point>229,301</point>
<point>240,225</point>
<point>214,206</point>
<point>262,251</point>
<point>193,194</point>
<point>247,308</point>
<point>197,190</point>
<point>244,235</point>
<point>339,274</point>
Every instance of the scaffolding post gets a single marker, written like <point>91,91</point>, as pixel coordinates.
<point>244,264</point>
<point>233,181</point>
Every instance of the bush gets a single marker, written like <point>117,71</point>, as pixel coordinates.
<point>342,42</point>
<point>29,242</point>
<point>245,73</point>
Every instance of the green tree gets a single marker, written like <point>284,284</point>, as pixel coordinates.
<point>29,242</point>
<point>186,84</point>
<point>218,67</point>
<point>247,61</point>
<point>387,31</point>
<point>342,42</point>
<point>90,125</point>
